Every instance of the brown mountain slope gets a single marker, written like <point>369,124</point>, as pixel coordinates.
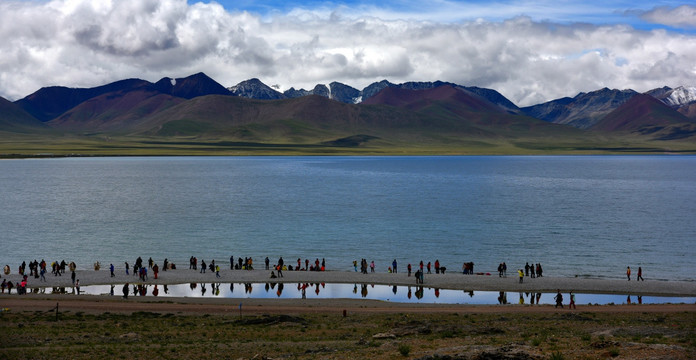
<point>304,118</point>
<point>15,119</point>
<point>420,99</point>
<point>645,115</point>
<point>117,111</point>
<point>461,109</point>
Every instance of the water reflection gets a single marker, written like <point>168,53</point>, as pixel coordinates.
<point>393,293</point>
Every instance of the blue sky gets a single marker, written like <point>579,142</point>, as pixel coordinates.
<point>556,11</point>
<point>530,51</point>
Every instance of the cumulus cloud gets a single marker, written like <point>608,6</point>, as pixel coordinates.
<point>83,43</point>
<point>680,17</point>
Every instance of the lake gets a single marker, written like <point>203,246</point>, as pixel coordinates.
<point>576,215</point>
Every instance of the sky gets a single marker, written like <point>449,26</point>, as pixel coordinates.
<point>530,51</point>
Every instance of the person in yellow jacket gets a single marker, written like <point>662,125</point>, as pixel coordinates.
<point>628,273</point>
<point>521,274</point>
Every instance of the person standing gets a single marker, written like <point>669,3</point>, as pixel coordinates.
<point>77,285</point>
<point>640,274</point>
<point>572,301</point>
<point>202,267</point>
<point>520,272</point>
<point>559,299</point>
<point>72,277</point>
<point>111,268</point>
<point>628,273</point>
<point>127,267</point>
<point>217,271</point>
<point>267,261</point>
<point>394,266</point>
<point>155,270</point>
<point>409,269</point>
<point>280,266</point>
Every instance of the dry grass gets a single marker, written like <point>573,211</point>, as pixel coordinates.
<point>37,335</point>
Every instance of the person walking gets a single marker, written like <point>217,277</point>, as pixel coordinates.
<point>640,274</point>
<point>111,268</point>
<point>572,301</point>
<point>628,273</point>
<point>280,266</point>
<point>217,271</point>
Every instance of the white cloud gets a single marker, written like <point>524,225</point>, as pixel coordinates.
<point>683,16</point>
<point>83,43</point>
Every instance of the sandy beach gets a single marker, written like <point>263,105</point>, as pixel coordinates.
<point>454,281</point>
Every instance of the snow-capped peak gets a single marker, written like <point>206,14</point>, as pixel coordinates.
<point>681,95</point>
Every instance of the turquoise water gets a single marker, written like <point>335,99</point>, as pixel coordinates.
<point>577,215</point>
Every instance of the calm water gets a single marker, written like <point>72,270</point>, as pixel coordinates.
<point>401,294</point>
<point>577,215</point>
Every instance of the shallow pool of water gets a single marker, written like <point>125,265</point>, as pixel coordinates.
<point>400,294</point>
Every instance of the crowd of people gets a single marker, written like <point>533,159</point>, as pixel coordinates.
<point>39,269</point>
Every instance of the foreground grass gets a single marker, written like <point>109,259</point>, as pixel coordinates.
<point>563,335</point>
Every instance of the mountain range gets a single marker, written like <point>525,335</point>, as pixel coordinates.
<point>197,107</point>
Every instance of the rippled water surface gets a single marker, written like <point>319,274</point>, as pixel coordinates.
<point>577,215</point>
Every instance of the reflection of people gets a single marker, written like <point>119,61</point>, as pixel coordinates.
<point>125,291</point>
<point>273,275</point>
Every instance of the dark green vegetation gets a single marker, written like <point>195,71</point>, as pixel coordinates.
<point>37,335</point>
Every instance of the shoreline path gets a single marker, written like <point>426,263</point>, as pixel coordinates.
<point>454,281</point>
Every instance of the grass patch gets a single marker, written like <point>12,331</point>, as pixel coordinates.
<point>321,335</point>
